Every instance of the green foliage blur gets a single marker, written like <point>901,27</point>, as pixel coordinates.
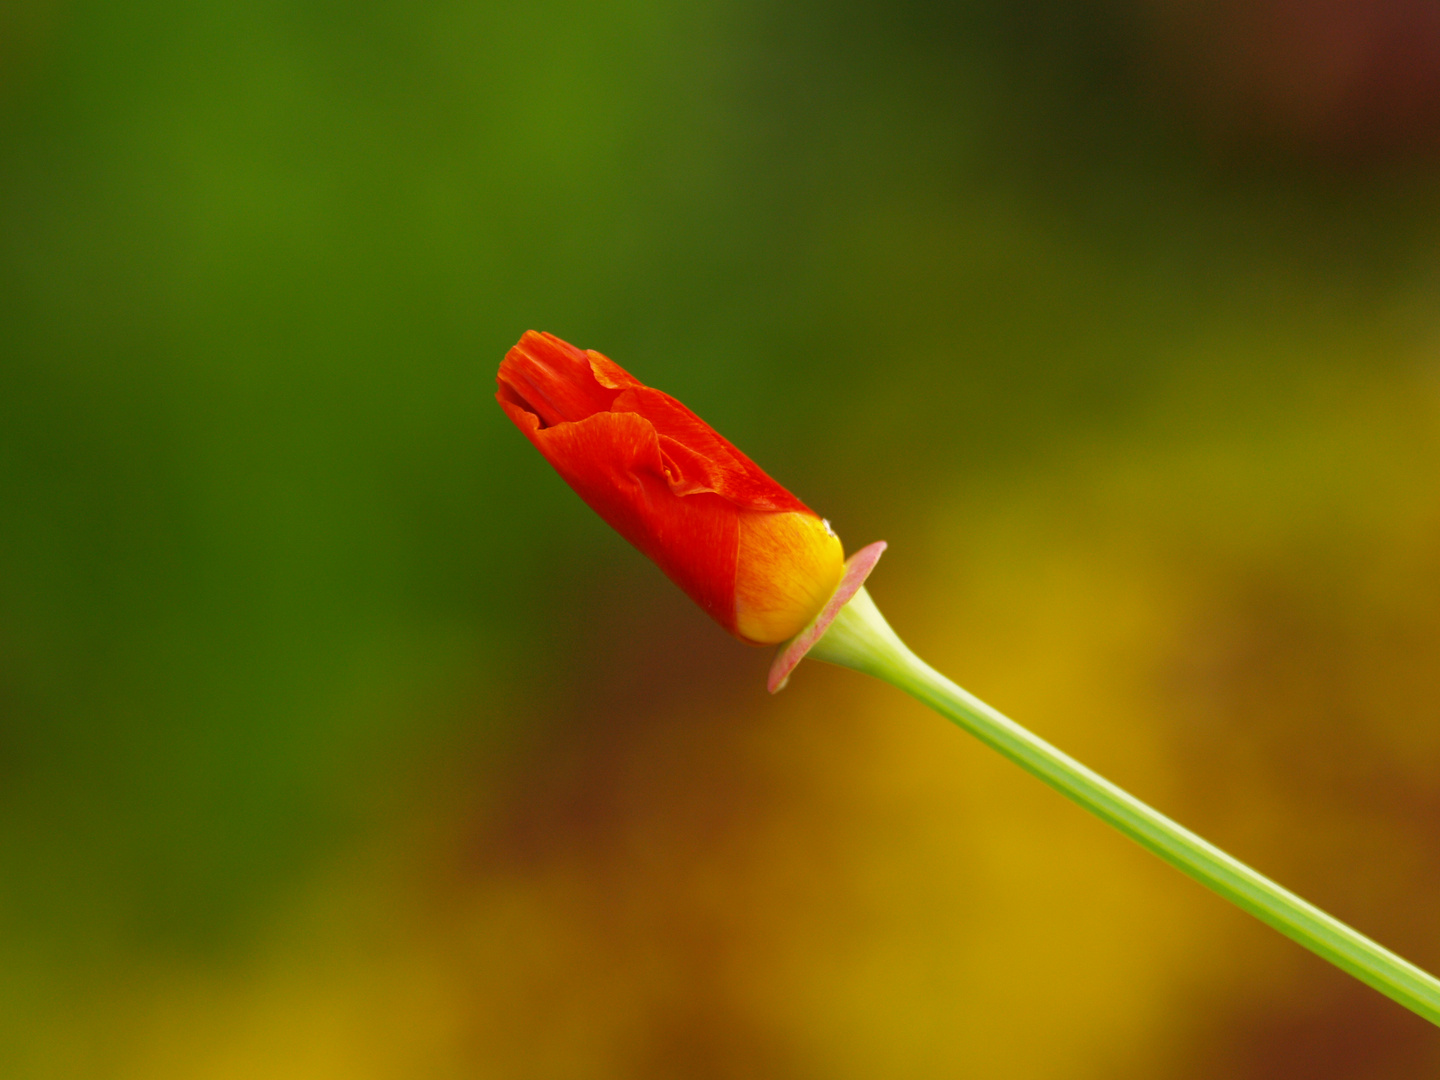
<point>339,739</point>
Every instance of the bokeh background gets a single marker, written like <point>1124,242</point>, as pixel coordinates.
<point>339,739</point>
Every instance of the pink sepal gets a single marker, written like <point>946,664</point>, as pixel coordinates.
<point>857,569</point>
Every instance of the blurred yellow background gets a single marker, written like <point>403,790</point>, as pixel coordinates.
<point>339,739</point>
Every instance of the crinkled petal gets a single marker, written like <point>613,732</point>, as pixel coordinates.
<point>707,460</point>
<point>553,379</point>
<point>613,462</point>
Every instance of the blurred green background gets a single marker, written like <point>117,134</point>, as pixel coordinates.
<point>339,739</point>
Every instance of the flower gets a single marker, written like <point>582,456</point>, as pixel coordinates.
<point>756,558</point>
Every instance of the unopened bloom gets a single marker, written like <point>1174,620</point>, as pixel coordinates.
<point>756,558</point>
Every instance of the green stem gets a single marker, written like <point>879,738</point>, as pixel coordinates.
<point>860,638</point>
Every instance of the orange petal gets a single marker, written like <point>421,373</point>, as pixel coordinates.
<point>786,567</point>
